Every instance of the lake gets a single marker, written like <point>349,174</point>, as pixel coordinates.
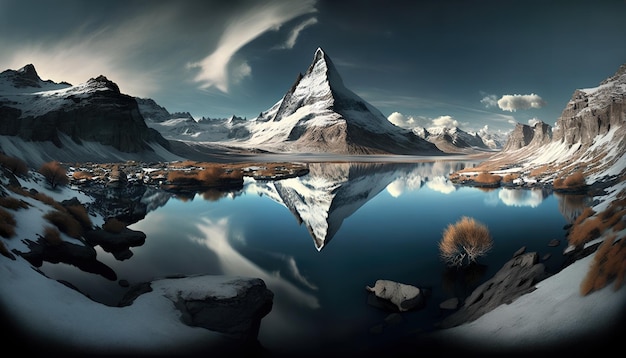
<point>318,240</point>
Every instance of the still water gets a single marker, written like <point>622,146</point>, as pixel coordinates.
<point>318,240</point>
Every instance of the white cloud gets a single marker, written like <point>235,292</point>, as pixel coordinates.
<point>214,68</point>
<point>293,35</point>
<point>533,121</point>
<point>514,102</point>
<point>490,101</point>
<point>401,120</point>
<point>445,121</point>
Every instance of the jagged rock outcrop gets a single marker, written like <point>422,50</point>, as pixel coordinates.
<point>593,111</point>
<point>516,277</point>
<point>94,111</point>
<point>524,135</point>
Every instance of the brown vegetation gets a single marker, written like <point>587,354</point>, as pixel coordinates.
<point>589,225</point>
<point>464,241</point>
<point>609,263</point>
<point>114,225</point>
<point>12,203</point>
<point>65,222</point>
<point>7,224</point>
<point>3,249</point>
<point>14,165</point>
<point>52,236</point>
<point>487,178</point>
<point>508,178</point>
<point>79,213</point>
<point>575,181</point>
<point>79,175</point>
<point>54,173</point>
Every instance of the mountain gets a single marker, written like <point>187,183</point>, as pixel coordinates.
<point>524,135</point>
<point>151,111</point>
<point>590,135</point>
<point>456,140</point>
<point>89,121</point>
<point>318,114</point>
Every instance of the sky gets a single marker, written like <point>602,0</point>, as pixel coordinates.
<point>472,64</point>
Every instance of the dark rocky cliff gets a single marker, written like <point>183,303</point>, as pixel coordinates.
<point>94,111</point>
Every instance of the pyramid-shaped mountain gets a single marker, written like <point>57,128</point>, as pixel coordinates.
<point>319,114</point>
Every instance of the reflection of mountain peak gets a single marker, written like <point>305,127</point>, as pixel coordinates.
<point>331,192</point>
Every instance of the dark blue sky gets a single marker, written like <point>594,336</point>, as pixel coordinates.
<point>469,63</point>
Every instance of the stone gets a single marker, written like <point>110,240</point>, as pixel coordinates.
<point>403,297</point>
<point>450,304</point>
<point>554,243</point>
<point>518,276</point>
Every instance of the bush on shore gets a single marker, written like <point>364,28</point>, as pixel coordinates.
<point>464,241</point>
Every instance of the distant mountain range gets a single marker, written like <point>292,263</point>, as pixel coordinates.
<point>94,121</point>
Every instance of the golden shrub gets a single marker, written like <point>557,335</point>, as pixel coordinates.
<point>464,241</point>
<point>54,173</point>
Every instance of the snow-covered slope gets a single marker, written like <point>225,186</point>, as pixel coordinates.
<point>45,114</point>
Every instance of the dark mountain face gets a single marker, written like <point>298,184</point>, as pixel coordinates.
<point>94,111</point>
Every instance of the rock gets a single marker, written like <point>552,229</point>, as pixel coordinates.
<point>449,304</point>
<point>230,305</point>
<point>115,242</point>
<point>554,243</point>
<point>520,251</point>
<point>403,297</point>
<point>393,319</point>
<point>516,277</point>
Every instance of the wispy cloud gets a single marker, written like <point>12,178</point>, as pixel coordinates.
<point>490,100</point>
<point>295,32</point>
<point>214,69</point>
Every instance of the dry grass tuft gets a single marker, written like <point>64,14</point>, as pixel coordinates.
<point>14,165</point>
<point>7,224</point>
<point>508,178</point>
<point>65,222</point>
<point>12,203</point>
<point>79,213</point>
<point>464,241</point>
<point>4,250</point>
<point>609,263</point>
<point>52,236</point>
<point>575,181</point>
<point>487,178</point>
